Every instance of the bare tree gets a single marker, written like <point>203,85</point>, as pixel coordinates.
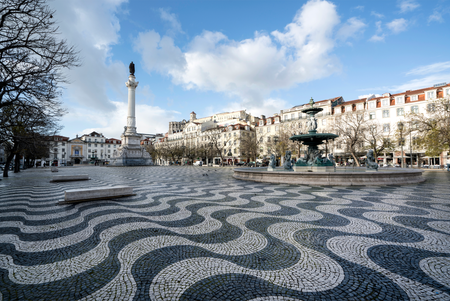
<point>351,128</point>
<point>190,152</point>
<point>32,58</point>
<point>377,137</point>
<point>154,151</point>
<point>280,142</point>
<point>24,128</point>
<point>32,61</point>
<point>249,145</point>
<point>218,139</point>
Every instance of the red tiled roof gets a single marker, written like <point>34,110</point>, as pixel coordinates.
<point>353,101</point>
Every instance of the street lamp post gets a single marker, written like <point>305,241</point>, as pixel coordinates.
<point>400,127</point>
<point>210,144</point>
<point>410,146</point>
<point>183,147</point>
<point>275,139</point>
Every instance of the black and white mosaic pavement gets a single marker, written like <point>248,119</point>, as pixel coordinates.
<point>195,233</point>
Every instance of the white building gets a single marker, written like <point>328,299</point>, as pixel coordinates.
<point>93,147</point>
<point>95,144</point>
<point>197,133</point>
<point>388,110</point>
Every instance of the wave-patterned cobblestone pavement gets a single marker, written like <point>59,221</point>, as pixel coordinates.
<point>194,233</point>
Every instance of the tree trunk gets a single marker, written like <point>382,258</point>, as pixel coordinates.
<point>17,164</point>
<point>356,159</point>
<point>8,162</point>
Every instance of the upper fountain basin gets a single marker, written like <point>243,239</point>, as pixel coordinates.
<point>313,138</point>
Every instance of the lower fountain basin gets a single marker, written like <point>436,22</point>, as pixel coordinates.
<point>342,177</point>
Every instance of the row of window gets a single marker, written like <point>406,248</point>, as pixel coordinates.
<point>399,100</point>
<point>95,145</point>
<point>400,112</point>
<point>225,152</point>
<point>387,126</point>
<point>95,140</point>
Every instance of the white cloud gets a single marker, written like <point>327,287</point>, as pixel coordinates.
<point>377,38</point>
<point>414,84</point>
<point>111,124</point>
<point>436,17</point>
<point>173,21</point>
<point>266,107</point>
<point>359,7</point>
<point>351,28</point>
<point>93,28</point>
<point>423,82</point>
<point>378,25</point>
<point>432,68</point>
<point>398,25</point>
<point>250,69</point>
<point>158,53</point>
<point>440,14</point>
<point>407,5</point>
<point>378,15</point>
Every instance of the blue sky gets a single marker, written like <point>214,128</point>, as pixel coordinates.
<point>262,56</point>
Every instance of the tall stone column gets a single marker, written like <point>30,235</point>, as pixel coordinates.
<point>131,117</point>
<point>130,152</point>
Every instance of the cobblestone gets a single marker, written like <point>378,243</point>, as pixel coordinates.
<point>188,237</point>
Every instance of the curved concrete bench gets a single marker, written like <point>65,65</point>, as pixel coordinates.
<point>92,194</point>
<point>339,178</point>
<point>67,178</point>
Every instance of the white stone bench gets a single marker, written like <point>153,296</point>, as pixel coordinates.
<point>66,178</point>
<point>91,194</point>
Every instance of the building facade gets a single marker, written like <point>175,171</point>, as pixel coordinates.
<point>92,147</point>
<point>387,111</point>
<point>220,134</point>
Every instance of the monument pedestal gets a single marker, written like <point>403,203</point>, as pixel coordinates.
<point>130,153</point>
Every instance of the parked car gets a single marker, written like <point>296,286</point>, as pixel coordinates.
<point>240,164</point>
<point>251,164</point>
<point>11,167</point>
<point>198,163</point>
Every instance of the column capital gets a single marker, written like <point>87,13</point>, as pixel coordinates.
<point>132,83</point>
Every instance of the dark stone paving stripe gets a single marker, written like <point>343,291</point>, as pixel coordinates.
<point>245,287</point>
<point>360,283</point>
<point>406,262</point>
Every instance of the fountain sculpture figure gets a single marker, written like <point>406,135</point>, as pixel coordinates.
<point>287,161</point>
<point>370,161</point>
